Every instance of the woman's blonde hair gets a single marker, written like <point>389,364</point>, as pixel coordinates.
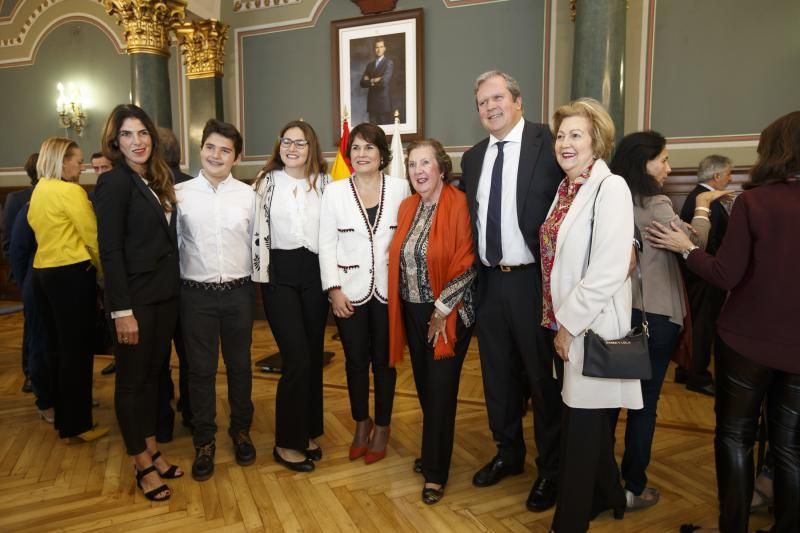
<point>602,130</point>
<point>54,150</point>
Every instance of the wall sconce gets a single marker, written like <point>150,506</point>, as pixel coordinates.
<point>70,108</point>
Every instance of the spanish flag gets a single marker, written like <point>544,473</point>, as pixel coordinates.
<point>341,165</point>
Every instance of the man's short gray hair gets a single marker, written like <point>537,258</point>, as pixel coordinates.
<point>711,165</point>
<point>511,83</point>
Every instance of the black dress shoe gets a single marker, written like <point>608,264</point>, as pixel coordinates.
<point>307,465</point>
<point>314,454</point>
<point>418,465</point>
<point>542,496</point>
<point>244,449</point>
<point>431,495</point>
<point>26,386</point>
<point>110,368</point>
<point>708,389</point>
<point>203,466</point>
<point>494,471</point>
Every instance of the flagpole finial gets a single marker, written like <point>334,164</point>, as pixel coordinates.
<point>396,116</point>
<point>345,114</point>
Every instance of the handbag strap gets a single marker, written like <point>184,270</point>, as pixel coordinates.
<point>636,251</point>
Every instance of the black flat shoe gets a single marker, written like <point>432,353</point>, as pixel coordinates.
<point>689,528</point>
<point>542,496</point>
<point>307,465</point>
<point>314,454</point>
<point>431,495</point>
<point>494,471</point>
<point>418,465</point>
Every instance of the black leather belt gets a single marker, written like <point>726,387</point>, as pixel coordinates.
<point>504,268</point>
<point>222,286</point>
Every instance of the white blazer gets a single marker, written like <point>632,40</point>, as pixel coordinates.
<point>597,297</point>
<point>351,256</point>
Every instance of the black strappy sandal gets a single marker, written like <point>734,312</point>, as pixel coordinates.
<point>151,495</point>
<point>171,472</point>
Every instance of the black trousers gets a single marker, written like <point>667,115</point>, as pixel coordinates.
<point>208,318</point>
<point>35,337</point>
<point>66,297</point>
<point>742,386</point>
<point>184,402</point>
<point>437,388</point>
<point>365,338</point>
<point>297,310</point>
<point>588,478</point>
<point>165,414</point>
<point>165,422</point>
<point>512,347</point>
<point>705,302</point>
<point>138,369</point>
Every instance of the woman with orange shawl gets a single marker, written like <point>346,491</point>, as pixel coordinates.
<point>431,280</point>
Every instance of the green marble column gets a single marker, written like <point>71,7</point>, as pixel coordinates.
<point>150,86</point>
<point>598,64</point>
<point>205,102</point>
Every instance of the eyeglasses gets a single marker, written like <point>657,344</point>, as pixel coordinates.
<point>286,142</point>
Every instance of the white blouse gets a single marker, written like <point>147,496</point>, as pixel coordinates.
<point>294,213</point>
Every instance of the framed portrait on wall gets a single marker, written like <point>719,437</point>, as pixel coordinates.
<point>377,71</point>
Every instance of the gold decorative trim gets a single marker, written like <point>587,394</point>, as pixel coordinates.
<point>203,47</point>
<point>147,23</point>
<point>251,5</point>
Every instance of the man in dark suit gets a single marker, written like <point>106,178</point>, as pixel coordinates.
<point>705,300</point>
<point>377,79</point>
<point>511,179</point>
<point>15,202</point>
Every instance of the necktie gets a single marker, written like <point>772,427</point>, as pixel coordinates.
<point>494,242</point>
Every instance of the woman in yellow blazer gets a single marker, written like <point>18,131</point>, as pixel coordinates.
<point>64,272</point>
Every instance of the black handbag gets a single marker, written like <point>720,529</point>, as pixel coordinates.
<point>625,358</point>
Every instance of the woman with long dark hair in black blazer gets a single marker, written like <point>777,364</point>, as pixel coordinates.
<point>135,203</point>
<point>286,264</point>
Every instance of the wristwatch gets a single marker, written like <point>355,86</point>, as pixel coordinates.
<point>687,251</point>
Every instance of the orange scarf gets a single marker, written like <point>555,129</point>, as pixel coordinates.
<point>449,255</point>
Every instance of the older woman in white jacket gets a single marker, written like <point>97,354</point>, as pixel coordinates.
<point>585,250</point>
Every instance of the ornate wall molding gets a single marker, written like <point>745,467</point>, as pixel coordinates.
<point>252,5</point>
<point>36,13</point>
<point>54,24</point>
<point>203,47</point>
<point>147,22</point>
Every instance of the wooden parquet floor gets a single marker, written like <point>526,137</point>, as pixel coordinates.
<point>46,485</point>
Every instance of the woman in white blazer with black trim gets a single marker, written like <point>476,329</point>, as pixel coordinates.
<point>358,219</point>
<point>585,289</point>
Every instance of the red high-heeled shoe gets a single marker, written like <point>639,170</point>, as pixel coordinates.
<point>373,456</point>
<point>360,451</point>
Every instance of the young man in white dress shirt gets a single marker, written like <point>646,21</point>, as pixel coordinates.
<point>215,221</point>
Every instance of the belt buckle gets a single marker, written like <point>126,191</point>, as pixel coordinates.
<point>504,268</point>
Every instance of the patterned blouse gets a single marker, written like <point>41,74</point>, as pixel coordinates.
<point>415,285</point>
<point>548,235</point>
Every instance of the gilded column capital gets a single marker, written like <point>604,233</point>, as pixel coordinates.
<point>147,22</point>
<point>203,47</point>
